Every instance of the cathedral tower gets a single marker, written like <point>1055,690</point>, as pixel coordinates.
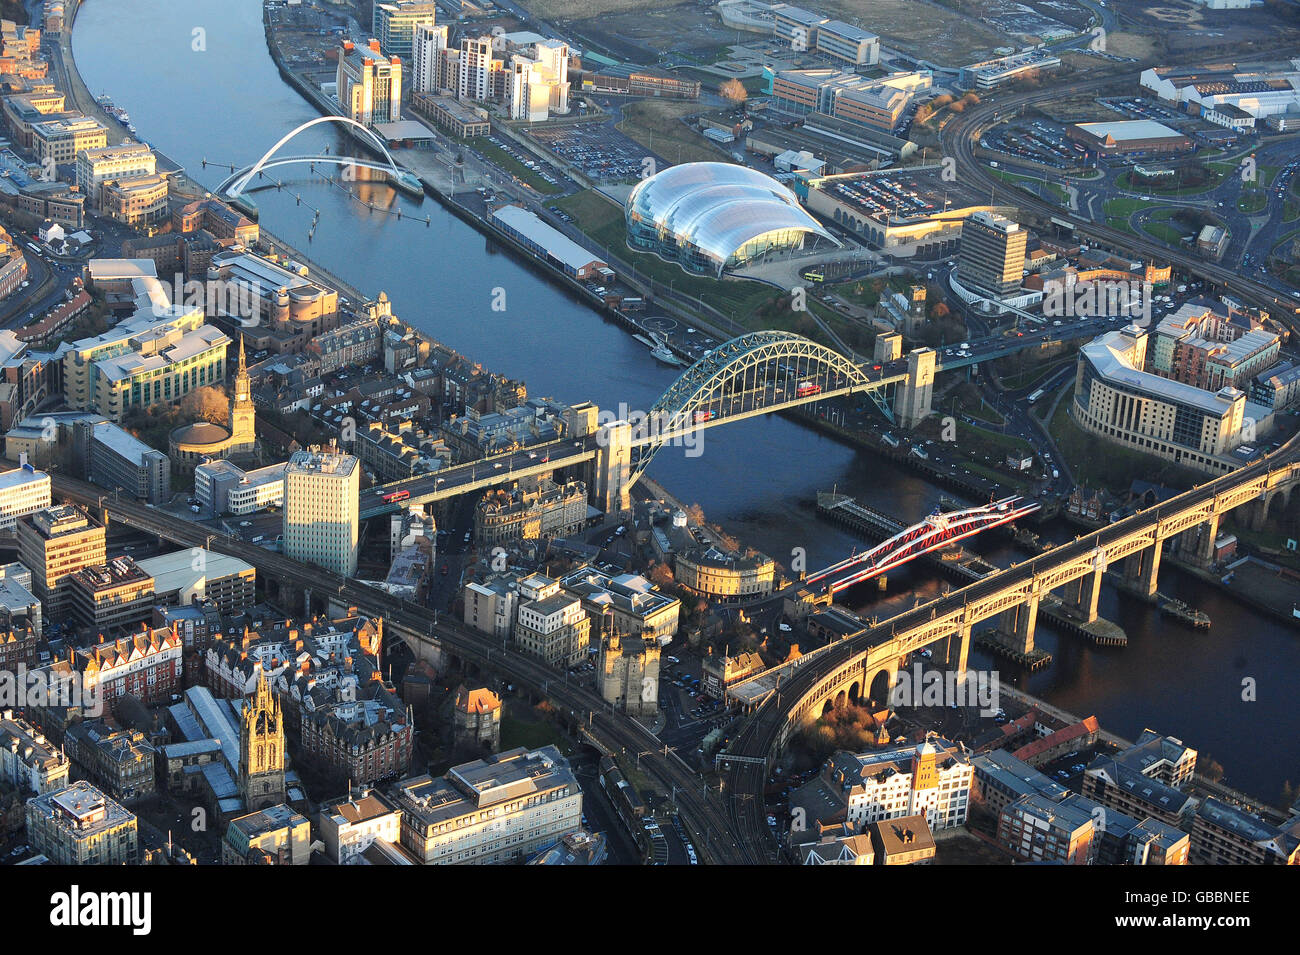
<point>261,749</point>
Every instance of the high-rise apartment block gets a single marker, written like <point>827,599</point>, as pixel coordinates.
<point>321,502</point>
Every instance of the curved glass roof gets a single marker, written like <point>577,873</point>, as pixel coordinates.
<point>717,207</point>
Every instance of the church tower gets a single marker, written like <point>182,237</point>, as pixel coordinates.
<point>261,749</point>
<point>242,415</point>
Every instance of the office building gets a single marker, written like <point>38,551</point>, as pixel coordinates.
<point>369,84</point>
<point>906,840</point>
<point>146,665</point>
<point>990,73</point>
<point>992,256</point>
<point>274,835</point>
<point>1118,401</point>
<point>59,140</point>
<point>395,22</point>
<point>871,103</point>
<point>79,825</point>
<point>28,761</point>
<point>635,605</point>
<point>847,42</point>
<point>930,779</point>
<point>499,809</point>
<point>55,543</point>
<point>160,354</point>
<point>22,491</point>
<point>106,597</point>
<point>350,826</point>
<point>321,505</point>
<point>554,629</point>
<point>490,605</point>
<point>109,163</point>
<point>547,511</point>
<point>139,202</point>
<point>120,461</point>
<point>724,576</point>
<point>119,761</point>
<point>462,120</point>
<point>224,488</point>
<point>194,574</point>
<point>20,611</point>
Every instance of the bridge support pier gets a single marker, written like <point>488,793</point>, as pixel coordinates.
<point>1089,594</point>
<point>912,403</point>
<point>1142,569</point>
<point>959,650</point>
<point>1204,547</point>
<point>1021,621</point>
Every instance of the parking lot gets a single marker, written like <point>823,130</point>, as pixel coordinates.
<point>1037,141</point>
<point>601,153</point>
<point>542,170</point>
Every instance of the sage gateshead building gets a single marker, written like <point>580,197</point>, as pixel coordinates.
<point>712,216</point>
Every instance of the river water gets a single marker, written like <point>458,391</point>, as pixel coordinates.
<point>759,478</point>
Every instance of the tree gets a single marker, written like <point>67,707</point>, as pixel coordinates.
<point>733,91</point>
<point>207,403</point>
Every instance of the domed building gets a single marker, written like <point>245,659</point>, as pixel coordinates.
<point>190,444</point>
<point>712,216</point>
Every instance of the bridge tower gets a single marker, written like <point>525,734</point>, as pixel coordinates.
<point>613,468</point>
<point>912,403</point>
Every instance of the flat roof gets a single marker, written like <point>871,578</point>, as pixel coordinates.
<point>556,243</point>
<point>1128,129</point>
<point>176,570</point>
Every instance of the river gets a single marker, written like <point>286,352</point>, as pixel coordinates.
<point>758,478</point>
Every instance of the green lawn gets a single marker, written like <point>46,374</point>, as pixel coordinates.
<point>1252,202</point>
<point>751,303</point>
<point>1016,179</point>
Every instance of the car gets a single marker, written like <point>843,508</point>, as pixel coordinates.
<point>1062,774</point>
<point>444,570</point>
<point>497,466</point>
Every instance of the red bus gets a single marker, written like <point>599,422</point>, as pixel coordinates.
<point>704,415</point>
<point>396,496</point>
<point>807,388</point>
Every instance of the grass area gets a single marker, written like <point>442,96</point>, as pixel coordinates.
<point>528,731</point>
<point>1057,191</point>
<point>657,125</point>
<point>1097,463</point>
<point>1253,202</point>
<point>864,292</point>
<point>1125,181</point>
<point>510,164</point>
<point>745,301</point>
